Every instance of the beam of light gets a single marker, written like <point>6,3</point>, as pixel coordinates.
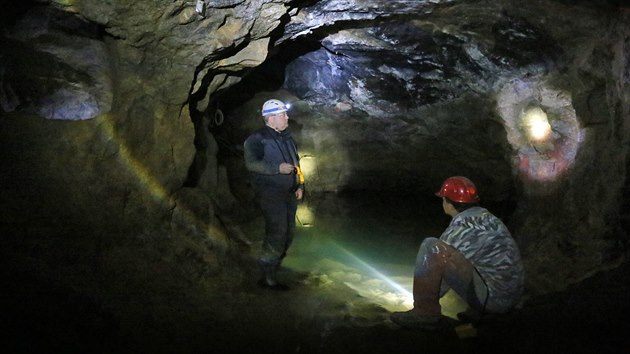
<point>451,303</point>
<point>133,165</point>
<point>343,266</point>
<point>368,281</point>
<point>160,194</point>
<point>377,273</point>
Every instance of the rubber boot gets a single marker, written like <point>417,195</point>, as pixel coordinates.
<point>426,295</point>
<point>426,311</point>
<point>269,278</point>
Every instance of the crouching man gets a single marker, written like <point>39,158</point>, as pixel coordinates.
<point>475,256</point>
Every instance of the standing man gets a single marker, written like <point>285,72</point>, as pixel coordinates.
<point>271,157</point>
<point>475,256</point>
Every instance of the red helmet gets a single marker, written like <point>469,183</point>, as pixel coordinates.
<point>459,189</point>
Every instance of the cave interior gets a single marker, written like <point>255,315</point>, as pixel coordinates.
<point>129,221</point>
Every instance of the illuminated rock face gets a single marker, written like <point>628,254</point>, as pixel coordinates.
<point>58,67</point>
<point>395,105</point>
<point>388,96</point>
<point>395,67</point>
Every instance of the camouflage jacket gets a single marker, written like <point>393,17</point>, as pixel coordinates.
<point>486,242</point>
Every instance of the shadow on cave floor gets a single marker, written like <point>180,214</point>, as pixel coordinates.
<point>347,272</point>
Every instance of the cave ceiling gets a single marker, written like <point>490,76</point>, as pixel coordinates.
<point>401,54</point>
<point>389,57</point>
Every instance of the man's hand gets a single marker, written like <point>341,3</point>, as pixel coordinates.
<point>299,193</point>
<point>286,168</point>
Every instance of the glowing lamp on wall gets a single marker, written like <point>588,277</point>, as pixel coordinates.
<point>308,163</point>
<point>305,216</point>
<point>537,125</point>
<point>545,148</point>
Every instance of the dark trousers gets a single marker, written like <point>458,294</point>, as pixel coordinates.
<point>278,209</point>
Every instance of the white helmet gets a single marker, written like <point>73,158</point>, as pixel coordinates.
<point>274,107</point>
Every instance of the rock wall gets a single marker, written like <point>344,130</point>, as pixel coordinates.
<point>139,76</point>
<point>570,227</point>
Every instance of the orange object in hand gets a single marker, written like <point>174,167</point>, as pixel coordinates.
<point>298,170</point>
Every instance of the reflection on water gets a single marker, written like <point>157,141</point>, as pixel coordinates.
<point>369,243</point>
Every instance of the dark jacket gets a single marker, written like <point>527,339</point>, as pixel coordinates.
<point>265,150</point>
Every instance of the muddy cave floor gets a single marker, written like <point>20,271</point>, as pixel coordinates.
<point>340,272</point>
